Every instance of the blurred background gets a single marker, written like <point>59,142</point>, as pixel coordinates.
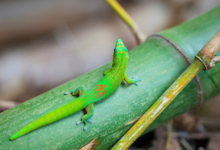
<point>45,43</point>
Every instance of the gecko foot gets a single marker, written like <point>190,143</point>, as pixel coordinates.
<point>136,80</point>
<point>85,122</point>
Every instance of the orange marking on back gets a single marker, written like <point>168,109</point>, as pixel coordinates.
<point>102,87</point>
<point>99,93</point>
<point>97,86</point>
<point>102,93</point>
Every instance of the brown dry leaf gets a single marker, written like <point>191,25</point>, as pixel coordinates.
<point>90,145</point>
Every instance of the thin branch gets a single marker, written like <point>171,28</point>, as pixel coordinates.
<point>140,37</point>
<point>215,60</point>
<point>169,134</point>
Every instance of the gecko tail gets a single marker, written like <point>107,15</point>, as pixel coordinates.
<point>53,116</point>
<point>30,127</point>
<point>44,120</point>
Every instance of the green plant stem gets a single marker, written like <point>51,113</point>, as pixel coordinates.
<point>139,35</point>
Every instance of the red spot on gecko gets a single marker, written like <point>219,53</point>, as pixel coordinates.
<point>97,86</point>
<point>102,87</point>
<point>99,90</point>
<point>102,93</point>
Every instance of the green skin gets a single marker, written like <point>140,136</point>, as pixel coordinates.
<point>102,89</point>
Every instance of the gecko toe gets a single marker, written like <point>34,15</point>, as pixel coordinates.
<point>66,93</point>
<point>90,121</point>
<point>85,128</point>
<point>136,79</point>
<point>136,83</point>
<point>78,123</point>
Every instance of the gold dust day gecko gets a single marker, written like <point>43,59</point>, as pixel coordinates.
<point>102,89</point>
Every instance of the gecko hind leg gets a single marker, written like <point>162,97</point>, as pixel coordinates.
<point>89,109</point>
<point>107,72</point>
<point>79,91</point>
<point>90,112</point>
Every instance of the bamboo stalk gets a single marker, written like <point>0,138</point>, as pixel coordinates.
<point>211,48</point>
<point>201,61</point>
<point>139,36</point>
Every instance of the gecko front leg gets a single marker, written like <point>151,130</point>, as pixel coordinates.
<point>89,113</point>
<point>79,91</point>
<point>130,81</point>
<point>107,71</point>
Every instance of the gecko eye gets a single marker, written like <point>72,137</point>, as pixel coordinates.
<point>126,48</point>
<point>115,49</point>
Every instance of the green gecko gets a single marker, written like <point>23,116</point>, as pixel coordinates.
<point>102,89</point>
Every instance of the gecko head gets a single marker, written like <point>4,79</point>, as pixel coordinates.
<point>120,49</point>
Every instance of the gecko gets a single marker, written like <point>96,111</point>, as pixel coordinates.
<point>108,84</point>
